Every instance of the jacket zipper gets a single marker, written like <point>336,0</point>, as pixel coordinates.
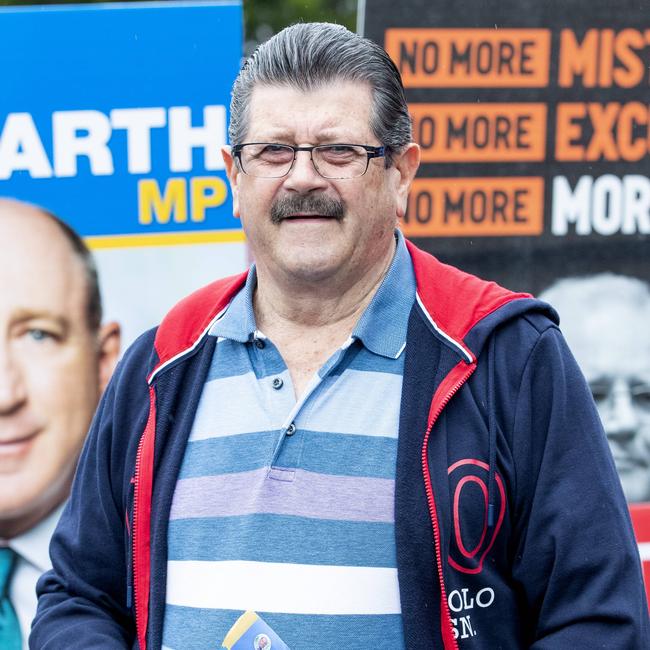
<point>143,463</point>
<point>134,532</point>
<point>432,504</point>
<point>144,460</point>
<point>129,549</point>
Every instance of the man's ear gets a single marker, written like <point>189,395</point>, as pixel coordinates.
<point>109,350</point>
<point>406,163</point>
<point>233,176</point>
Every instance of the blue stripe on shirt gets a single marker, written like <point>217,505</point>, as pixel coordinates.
<point>325,453</point>
<point>287,538</point>
<point>204,629</point>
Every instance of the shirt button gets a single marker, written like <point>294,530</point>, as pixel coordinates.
<point>259,344</point>
<point>291,429</point>
<point>277,383</point>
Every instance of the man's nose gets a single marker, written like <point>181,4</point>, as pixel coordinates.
<point>620,419</point>
<point>13,391</point>
<point>303,176</point>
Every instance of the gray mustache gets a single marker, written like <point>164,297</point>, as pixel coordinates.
<point>317,204</point>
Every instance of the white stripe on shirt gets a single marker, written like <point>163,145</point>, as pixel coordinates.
<point>289,588</point>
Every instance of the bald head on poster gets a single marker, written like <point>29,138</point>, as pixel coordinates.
<point>55,360</point>
<point>606,321</point>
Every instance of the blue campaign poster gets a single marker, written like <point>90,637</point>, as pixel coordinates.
<point>113,116</point>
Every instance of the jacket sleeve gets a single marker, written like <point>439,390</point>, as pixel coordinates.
<point>83,599</point>
<point>575,556</point>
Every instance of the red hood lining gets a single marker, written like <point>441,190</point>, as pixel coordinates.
<point>187,322</point>
<point>456,301</point>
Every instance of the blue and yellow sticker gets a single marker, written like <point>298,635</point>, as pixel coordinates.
<point>251,632</point>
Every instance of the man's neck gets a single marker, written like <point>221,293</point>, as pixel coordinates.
<point>307,322</point>
<point>10,528</point>
<point>312,305</point>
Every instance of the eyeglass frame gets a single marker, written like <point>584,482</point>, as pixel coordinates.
<point>371,152</point>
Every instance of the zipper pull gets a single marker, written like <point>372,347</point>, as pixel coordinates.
<point>490,515</point>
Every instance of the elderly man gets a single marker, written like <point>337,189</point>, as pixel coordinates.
<point>403,455</point>
<point>55,360</point>
<point>606,321</point>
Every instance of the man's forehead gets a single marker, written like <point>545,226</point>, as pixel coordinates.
<point>328,107</point>
<point>30,229</point>
<point>610,342</point>
<point>607,332</point>
<point>271,100</point>
<point>330,86</point>
<point>42,272</point>
<point>602,307</point>
<point>11,208</point>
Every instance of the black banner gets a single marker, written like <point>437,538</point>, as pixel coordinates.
<point>534,122</point>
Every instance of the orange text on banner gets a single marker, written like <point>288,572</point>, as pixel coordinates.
<point>603,58</point>
<point>480,132</point>
<point>471,58</point>
<point>475,207</point>
<point>612,131</point>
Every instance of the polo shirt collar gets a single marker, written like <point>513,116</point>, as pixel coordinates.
<point>382,326</point>
<point>238,323</point>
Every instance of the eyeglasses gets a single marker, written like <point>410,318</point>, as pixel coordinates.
<point>333,161</point>
<point>607,391</point>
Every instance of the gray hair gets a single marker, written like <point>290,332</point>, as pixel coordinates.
<point>309,55</point>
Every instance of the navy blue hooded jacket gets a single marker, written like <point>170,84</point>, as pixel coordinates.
<point>511,527</point>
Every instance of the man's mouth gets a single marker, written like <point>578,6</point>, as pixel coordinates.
<point>14,443</point>
<point>307,217</point>
<point>18,430</point>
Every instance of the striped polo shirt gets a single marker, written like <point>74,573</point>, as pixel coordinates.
<point>285,506</point>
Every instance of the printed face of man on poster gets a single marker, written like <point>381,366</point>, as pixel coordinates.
<point>606,321</point>
<point>55,361</point>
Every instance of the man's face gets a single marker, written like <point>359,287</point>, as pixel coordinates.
<point>611,342</point>
<point>49,366</point>
<point>307,246</point>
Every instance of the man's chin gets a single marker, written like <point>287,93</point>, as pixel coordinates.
<point>309,273</point>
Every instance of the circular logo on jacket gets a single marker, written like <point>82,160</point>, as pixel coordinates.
<point>262,642</point>
<point>472,536</point>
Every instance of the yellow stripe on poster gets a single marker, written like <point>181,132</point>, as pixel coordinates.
<point>165,239</point>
